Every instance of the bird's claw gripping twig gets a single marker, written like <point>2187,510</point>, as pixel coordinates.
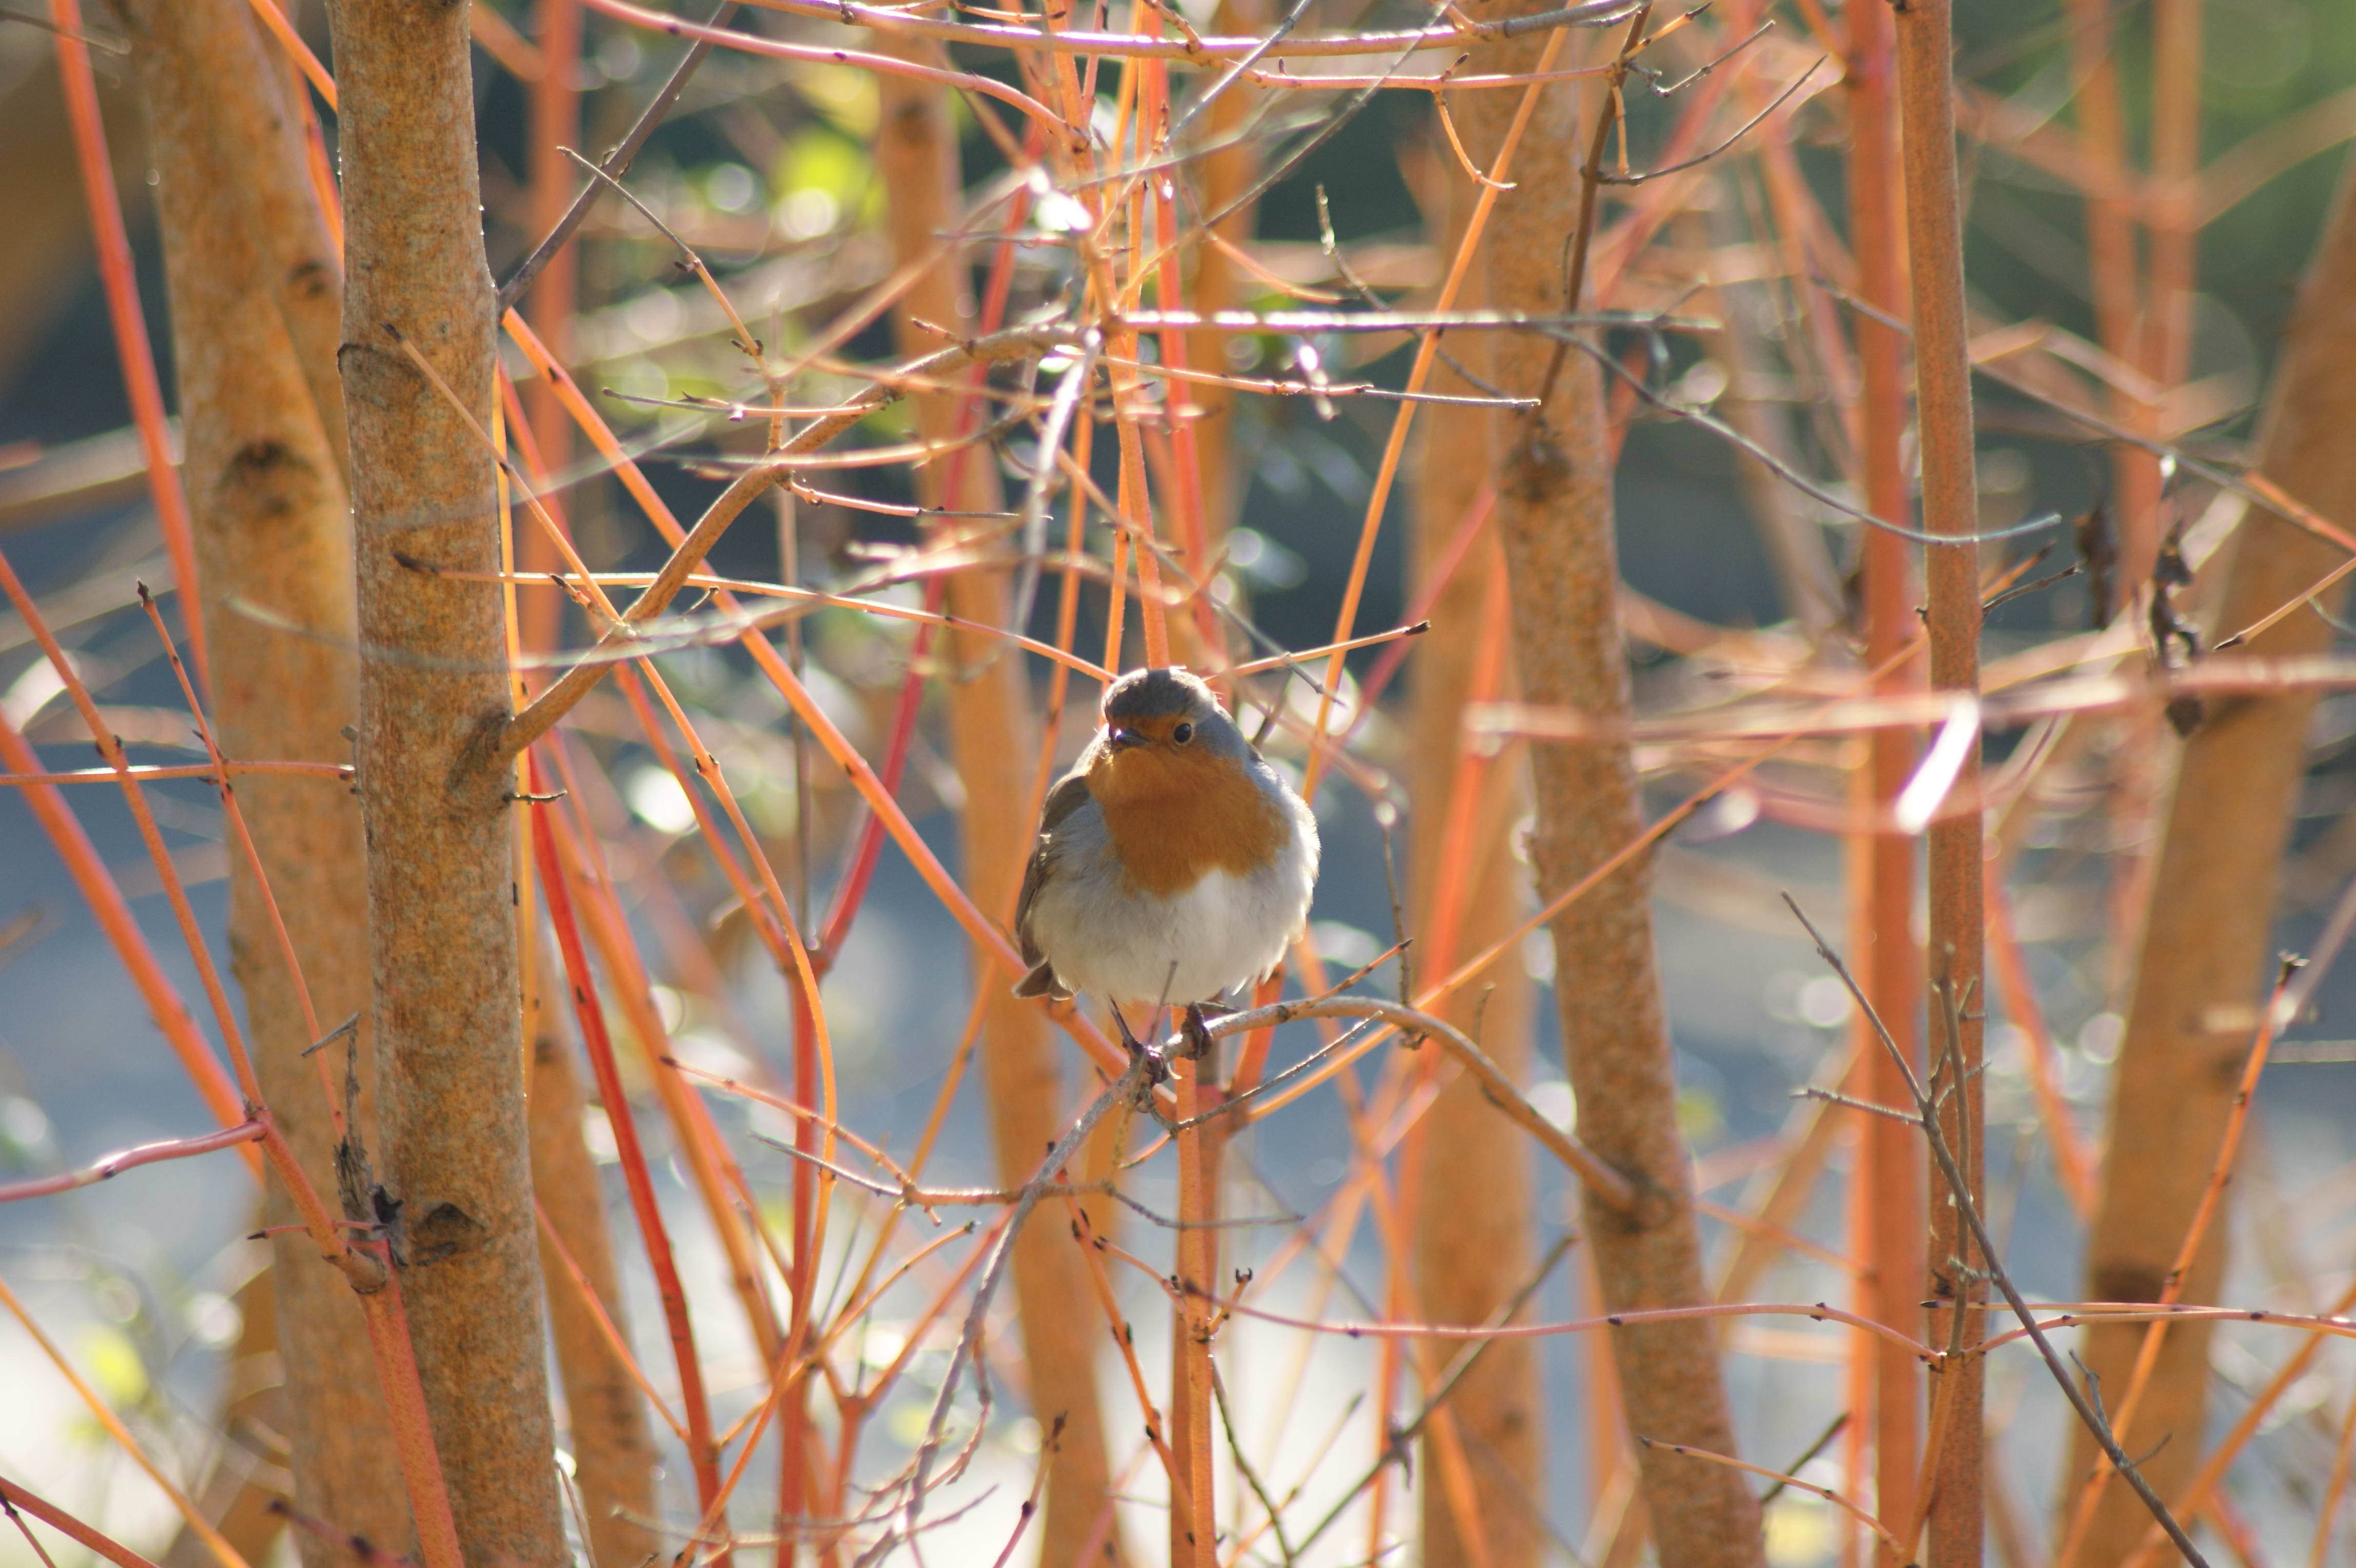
<point>1193,1034</point>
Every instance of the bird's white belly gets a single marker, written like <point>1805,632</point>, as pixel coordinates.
<point>1188,946</point>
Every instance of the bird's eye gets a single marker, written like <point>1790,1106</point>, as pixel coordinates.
<point>1182,732</point>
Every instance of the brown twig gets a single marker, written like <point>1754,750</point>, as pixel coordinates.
<point>1134,1083</point>
<point>1609,1187</point>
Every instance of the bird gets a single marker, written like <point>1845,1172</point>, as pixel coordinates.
<point>1172,863</point>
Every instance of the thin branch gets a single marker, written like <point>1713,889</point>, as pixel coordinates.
<point>1132,1084</point>
<point>616,163</point>
<point>114,1164</point>
<point>1701,158</point>
<point>568,689</point>
<point>1783,471</point>
<point>1928,1120</point>
<point>1614,1188</point>
<point>1897,1552</point>
<point>1395,1449</point>
<point>1035,497</point>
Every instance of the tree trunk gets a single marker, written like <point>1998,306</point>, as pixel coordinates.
<point>433,695</point>
<point>993,742</point>
<point>1555,520</point>
<point>252,275</point>
<point>2199,971</point>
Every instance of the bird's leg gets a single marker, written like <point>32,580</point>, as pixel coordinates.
<point>1157,1068</point>
<point>1193,1034</point>
<point>1127,1041</point>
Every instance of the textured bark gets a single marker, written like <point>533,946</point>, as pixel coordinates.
<point>433,692</point>
<point>1555,520</point>
<point>993,742</point>
<point>613,1448</point>
<point>2201,967</point>
<point>252,275</point>
<point>1473,1211</point>
<point>1943,403</point>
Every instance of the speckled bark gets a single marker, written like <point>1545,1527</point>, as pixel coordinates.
<point>251,276</point>
<point>994,744</point>
<point>1554,522</point>
<point>2200,974</point>
<point>433,690</point>
<point>1473,1213</point>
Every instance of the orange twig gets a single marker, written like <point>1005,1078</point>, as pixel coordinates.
<point>120,283</point>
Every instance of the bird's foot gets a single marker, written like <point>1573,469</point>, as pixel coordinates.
<point>1194,1041</point>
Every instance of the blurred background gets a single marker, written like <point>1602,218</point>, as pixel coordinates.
<point>767,168</point>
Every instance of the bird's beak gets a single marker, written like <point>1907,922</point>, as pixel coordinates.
<point>1121,738</point>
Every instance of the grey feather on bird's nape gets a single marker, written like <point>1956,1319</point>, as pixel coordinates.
<point>1157,694</point>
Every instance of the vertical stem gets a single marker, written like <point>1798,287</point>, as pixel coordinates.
<point>1469,1205</point>
<point>132,351</point>
<point>614,1458</point>
<point>2112,266</point>
<point>794,1427</point>
<point>1890,1155</point>
<point>1472,1214</point>
<point>1224,175</point>
<point>1950,506</point>
<point>653,1232</point>
<point>555,123</point>
<point>1193,1518</point>
<point>269,530</point>
<point>2161,347</point>
<point>433,695</point>
<point>1555,520</point>
<point>991,742</point>
<point>2176,172</point>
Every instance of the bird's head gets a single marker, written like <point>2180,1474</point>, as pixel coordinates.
<point>1163,730</point>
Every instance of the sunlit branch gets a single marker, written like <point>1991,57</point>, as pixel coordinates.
<point>205,770</point>
<point>1614,1188</point>
<point>1198,50</point>
<point>114,1164</point>
<point>552,705</point>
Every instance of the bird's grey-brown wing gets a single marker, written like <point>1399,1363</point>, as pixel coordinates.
<point>1070,793</point>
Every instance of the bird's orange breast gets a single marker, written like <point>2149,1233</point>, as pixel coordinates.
<point>1174,816</point>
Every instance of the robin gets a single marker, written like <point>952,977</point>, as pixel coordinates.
<point>1173,864</point>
